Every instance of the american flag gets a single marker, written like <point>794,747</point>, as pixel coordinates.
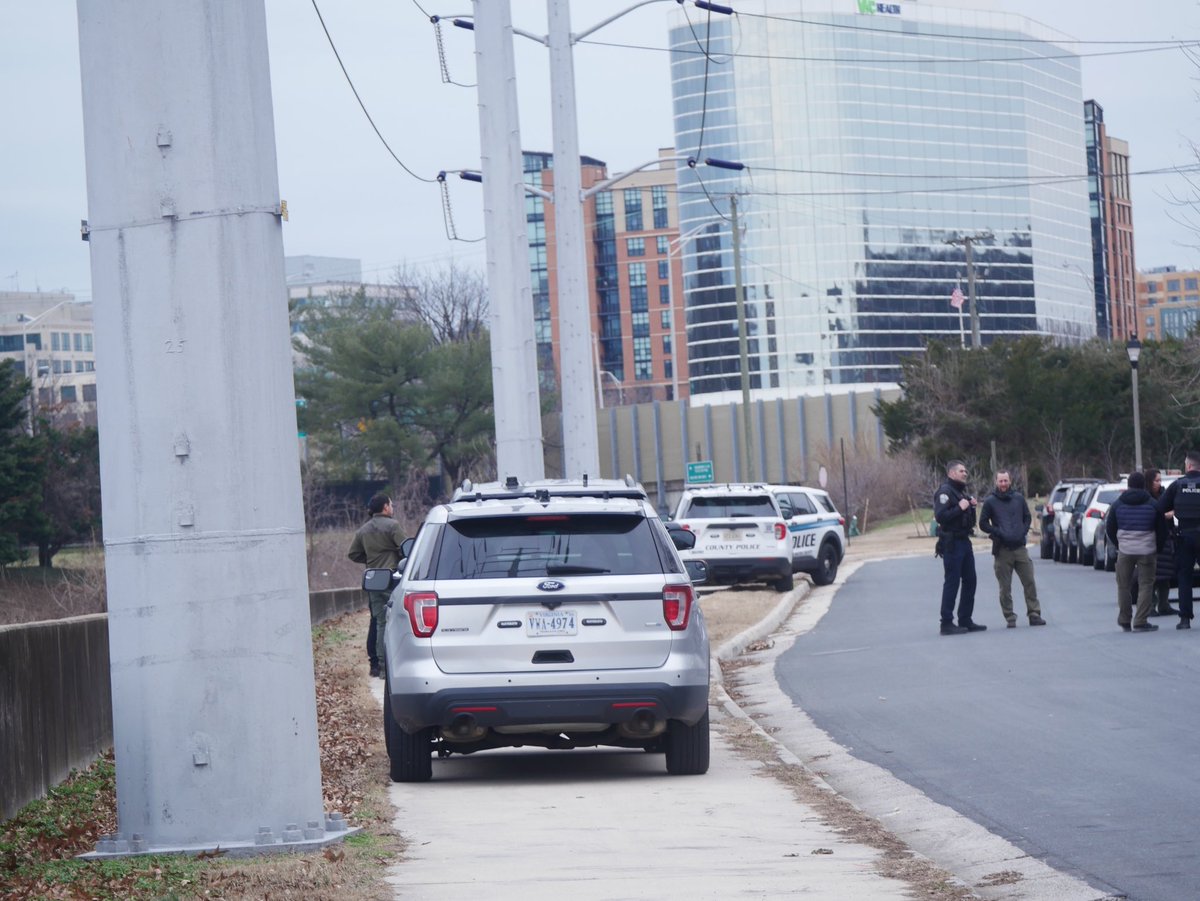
<point>956,299</point>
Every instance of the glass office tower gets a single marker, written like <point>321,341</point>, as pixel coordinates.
<point>874,135</point>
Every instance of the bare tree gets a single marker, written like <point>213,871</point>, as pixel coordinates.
<point>450,300</point>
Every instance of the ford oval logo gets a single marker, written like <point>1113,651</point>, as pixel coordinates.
<point>551,585</point>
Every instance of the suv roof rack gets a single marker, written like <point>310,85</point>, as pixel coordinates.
<point>544,489</point>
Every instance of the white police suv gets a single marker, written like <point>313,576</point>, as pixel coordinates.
<point>816,528</point>
<point>740,533</point>
<point>555,614</point>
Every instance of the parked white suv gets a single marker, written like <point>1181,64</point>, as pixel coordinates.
<point>555,614</point>
<point>816,528</point>
<point>740,533</point>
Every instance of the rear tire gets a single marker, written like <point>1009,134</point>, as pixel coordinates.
<point>1072,552</point>
<point>1047,549</point>
<point>787,583</point>
<point>827,565</point>
<point>687,747</point>
<point>1087,556</point>
<point>1098,559</point>
<point>410,757</point>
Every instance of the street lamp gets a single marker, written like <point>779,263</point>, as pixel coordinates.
<point>616,381</point>
<point>1134,349</point>
<point>26,320</point>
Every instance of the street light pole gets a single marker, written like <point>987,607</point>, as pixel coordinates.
<point>1134,349</point>
<point>27,321</point>
<point>743,349</point>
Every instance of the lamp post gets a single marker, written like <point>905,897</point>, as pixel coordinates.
<point>26,321</point>
<point>620,388</point>
<point>1134,349</point>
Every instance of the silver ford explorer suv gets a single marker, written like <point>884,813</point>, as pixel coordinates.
<point>556,614</point>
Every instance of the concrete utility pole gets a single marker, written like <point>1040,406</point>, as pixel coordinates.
<point>743,341</point>
<point>514,353</point>
<point>581,451</point>
<point>968,243</point>
<point>214,715</point>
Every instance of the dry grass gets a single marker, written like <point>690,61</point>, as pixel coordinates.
<point>75,586</point>
<point>37,847</point>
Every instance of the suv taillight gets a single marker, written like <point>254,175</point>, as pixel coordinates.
<point>422,607</point>
<point>677,606</point>
<point>1095,513</point>
<point>780,531</point>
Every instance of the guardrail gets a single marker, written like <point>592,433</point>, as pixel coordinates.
<point>56,696</point>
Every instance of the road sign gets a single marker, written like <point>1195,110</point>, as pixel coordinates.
<point>699,471</point>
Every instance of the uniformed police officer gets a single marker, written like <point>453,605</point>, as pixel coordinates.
<point>954,510</point>
<point>1182,498</point>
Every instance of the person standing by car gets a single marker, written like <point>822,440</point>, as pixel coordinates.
<point>954,510</point>
<point>377,544</point>
<point>1182,498</point>
<point>1005,517</point>
<point>1137,529</point>
<point>1164,566</point>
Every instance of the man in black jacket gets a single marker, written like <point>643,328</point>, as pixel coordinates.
<point>1182,498</point>
<point>1005,517</point>
<point>954,510</point>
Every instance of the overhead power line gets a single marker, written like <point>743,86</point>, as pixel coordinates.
<point>366,113</point>
<point>913,60</point>
<point>983,39</point>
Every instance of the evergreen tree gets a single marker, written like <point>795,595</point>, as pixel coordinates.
<point>22,465</point>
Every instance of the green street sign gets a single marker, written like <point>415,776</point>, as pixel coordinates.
<point>700,471</point>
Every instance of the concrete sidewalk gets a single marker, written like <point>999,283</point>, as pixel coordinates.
<point>610,824</point>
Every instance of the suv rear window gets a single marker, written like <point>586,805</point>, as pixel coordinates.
<point>716,506</point>
<point>1108,495</point>
<point>495,547</point>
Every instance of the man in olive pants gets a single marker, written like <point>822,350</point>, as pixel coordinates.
<point>1005,517</point>
<point>377,544</point>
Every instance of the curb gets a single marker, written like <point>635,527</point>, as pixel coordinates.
<point>1039,879</point>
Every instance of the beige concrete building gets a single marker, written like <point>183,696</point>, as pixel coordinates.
<point>1168,302</point>
<point>50,336</point>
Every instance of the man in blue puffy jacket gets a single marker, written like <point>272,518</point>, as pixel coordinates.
<point>1137,529</point>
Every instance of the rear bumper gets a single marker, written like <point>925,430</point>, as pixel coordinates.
<point>538,705</point>
<point>730,570</point>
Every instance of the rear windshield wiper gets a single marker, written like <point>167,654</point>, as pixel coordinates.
<point>562,569</point>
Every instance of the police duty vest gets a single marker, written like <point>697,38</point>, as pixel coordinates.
<point>1187,501</point>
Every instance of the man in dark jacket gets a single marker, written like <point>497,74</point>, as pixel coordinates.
<point>377,544</point>
<point>1005,517</point>
<point>1182,499</point>
<point>954,510</point>
<point>1137,529</point>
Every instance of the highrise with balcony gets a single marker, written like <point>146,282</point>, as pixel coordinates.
<point>633,272</point>
<point>1110,206</point>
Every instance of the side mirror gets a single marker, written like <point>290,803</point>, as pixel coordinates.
<point>683,539</point>
<point>379,580</point>
<point>697,570</point>
<point>406,547</point>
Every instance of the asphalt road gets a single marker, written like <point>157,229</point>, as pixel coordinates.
<point>1074,741</point>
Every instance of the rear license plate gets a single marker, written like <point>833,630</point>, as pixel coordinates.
<point>550,622</point>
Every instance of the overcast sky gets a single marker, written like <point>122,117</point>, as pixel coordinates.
<point>348,197</point>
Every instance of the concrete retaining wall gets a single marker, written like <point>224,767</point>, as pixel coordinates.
<point>56,697</point>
